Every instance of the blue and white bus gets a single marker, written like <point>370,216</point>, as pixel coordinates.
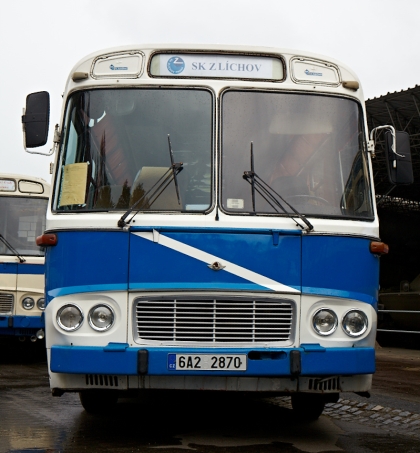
<point>23,205</point>
<point>212,225</point>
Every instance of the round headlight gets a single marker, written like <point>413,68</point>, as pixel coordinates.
<point>324,321</point>
<point>101,317</point>
<point>28,303</point>
<point>70,317</point>
<point>40,303</point>
<point>355,323</point>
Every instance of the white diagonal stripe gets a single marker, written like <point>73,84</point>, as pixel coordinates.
<point>209,258</point>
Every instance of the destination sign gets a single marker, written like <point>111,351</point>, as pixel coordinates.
<point>7,185</point>
<point>217,66</point>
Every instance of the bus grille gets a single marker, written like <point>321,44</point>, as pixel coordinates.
<point>101,380</point>
<point>214,320</point>
<point>6,303</point>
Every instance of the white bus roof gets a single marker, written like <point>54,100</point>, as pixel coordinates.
<point>299,69</point>
<point>23,185</point>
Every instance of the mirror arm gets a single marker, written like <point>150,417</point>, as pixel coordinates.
<point>56,141</point>
<point>394,139</point>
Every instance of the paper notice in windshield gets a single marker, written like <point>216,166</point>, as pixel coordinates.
<point>74,184</point>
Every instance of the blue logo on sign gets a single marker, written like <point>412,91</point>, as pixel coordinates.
<point>307,72</point>
<point>118,68</point>
<point>176,65</point>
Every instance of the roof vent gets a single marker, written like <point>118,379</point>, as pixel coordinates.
<point>305,70</point>
<point>121,66</point>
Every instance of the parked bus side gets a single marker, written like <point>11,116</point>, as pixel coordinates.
<point>23,205</point>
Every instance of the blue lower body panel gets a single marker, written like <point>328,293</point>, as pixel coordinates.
<point>21,325</point>
<point>120,359</point>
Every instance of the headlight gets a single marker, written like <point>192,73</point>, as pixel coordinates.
<point>40,303</point>
<point>324,321</point>
<point>101,317</point>
<point>70,317</point>
<point>355,323</point>
<point>28,303</point>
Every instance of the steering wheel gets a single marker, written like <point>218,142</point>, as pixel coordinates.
<point>321,200</point>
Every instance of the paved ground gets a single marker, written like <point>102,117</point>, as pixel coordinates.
<point>31,421</point>
<point>395,400</point>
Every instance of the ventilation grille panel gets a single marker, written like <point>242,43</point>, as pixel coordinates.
<point>101,380</point>
<point>214,320</point>
<point>6,303</point>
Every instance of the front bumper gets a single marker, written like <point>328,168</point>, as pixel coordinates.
<point>21,325</point>
<point>121,359</point>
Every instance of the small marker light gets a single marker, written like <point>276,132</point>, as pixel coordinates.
<point>46,240</point>
<point>378,248</point>
<point>40,334</point>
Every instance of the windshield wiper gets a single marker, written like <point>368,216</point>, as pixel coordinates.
<point>269,194</point>
<point>157,189</point>
<point>11,248</point>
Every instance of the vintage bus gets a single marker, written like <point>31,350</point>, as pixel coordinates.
<point>212,225</point>
<point>23,205</point>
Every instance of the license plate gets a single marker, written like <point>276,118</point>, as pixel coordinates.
<point>207,362</point>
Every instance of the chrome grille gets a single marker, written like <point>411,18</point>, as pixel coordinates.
<point>214,320</point>
<point>6,303</point>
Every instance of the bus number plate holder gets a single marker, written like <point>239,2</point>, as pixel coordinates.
<point>207,362</point>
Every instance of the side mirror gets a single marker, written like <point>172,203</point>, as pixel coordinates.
<point>398,160</point>
<point>36,119</point>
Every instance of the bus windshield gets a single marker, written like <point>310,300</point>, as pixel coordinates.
<point>22,220</point>
<point>117,149</point>
<point>307,148</point>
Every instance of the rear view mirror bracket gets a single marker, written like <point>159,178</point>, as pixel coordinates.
<point>56,142</point>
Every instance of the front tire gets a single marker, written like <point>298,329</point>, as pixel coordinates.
<point>308,406</point>
<point>98,401</point>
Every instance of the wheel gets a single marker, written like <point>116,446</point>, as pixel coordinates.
<point>308,406</point>
<point>98,401</point>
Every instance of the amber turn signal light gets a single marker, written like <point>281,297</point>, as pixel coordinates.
<point>46,240</point>
<point>379,248</point>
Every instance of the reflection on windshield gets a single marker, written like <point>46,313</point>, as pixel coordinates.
<point>307,148</point>
<point>116,148</point>
<point>21,221</point>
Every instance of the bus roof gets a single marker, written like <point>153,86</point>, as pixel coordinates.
<point>133,64</point>
<point>23,185</point>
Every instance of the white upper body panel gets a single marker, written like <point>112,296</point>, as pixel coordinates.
<point>292,71</point>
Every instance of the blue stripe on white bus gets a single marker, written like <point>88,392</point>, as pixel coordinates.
<point>322,265</point>
<point>22,268</point>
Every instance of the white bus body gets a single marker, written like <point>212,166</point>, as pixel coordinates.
<point>212,226</point>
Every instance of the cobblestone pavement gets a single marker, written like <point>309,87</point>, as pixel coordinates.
<point>369,414</point>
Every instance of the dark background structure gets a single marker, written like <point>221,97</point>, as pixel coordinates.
<point>399,215</point>
<point>398,207</point>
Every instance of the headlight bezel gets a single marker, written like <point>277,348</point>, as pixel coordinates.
<point>91,323</point>
<point>366,323</point>
<point>61,325</point>
<point>332,329</point>
<point>28,298</point>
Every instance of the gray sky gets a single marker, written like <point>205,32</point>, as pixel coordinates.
<point>43,39</point>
